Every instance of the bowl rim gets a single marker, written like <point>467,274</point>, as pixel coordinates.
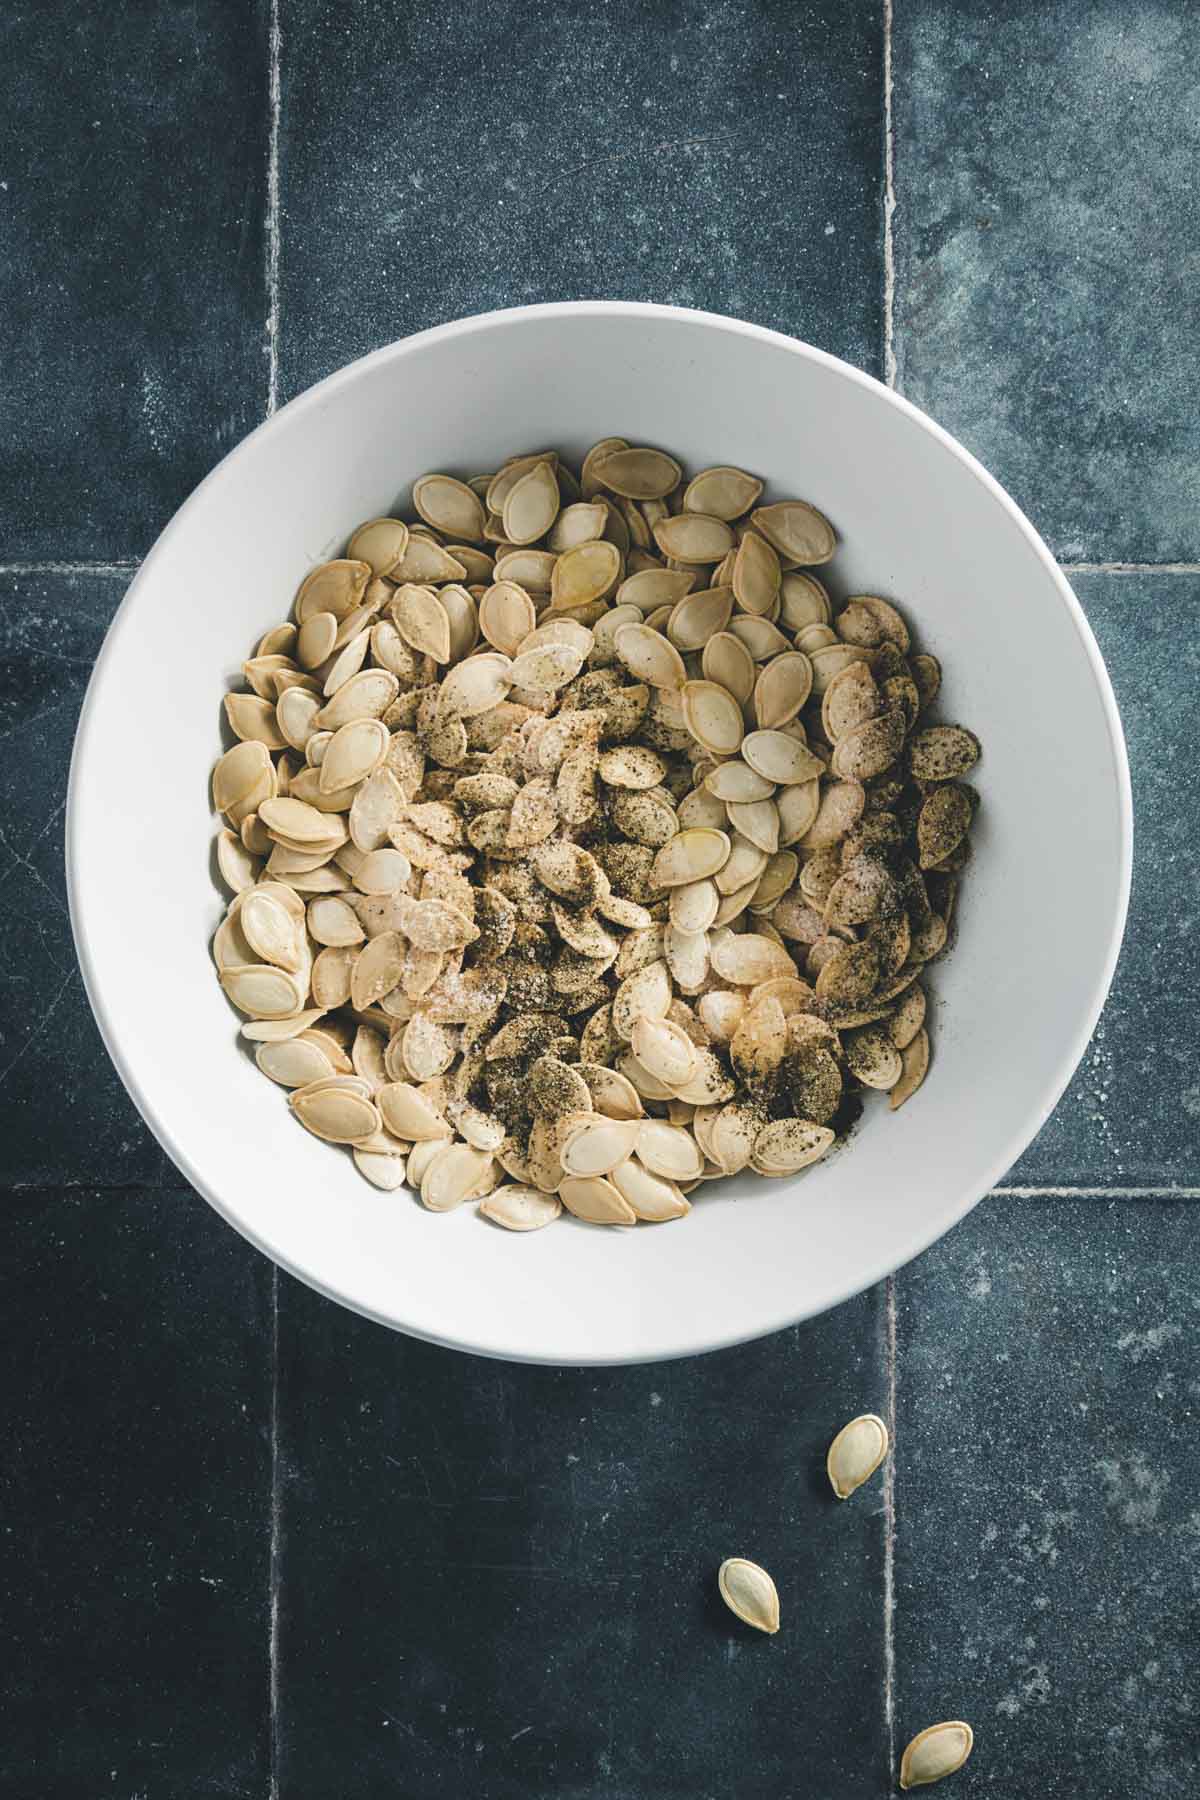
<point>312,398</point>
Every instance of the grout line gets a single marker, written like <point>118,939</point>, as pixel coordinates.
<point>69,568</point>
<point>274,1561</point>
<point>1100,1194</point>
<point>274,47</point>
<point>1129,568</point>
<point>889,1540</point>
<point>889,207</point>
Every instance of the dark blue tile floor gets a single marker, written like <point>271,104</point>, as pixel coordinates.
<point>254,1546</point>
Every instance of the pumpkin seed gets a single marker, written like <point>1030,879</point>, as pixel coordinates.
<point>520,1208</point>
<point>855,1453</point>
<point>728,663</point>
<point>692,856</point>
<point>749,1593</point>
<point>786,1146</point>
<point>936,1752</point>
<point>692,537</point>
<point>780,758</point>
<point>722,492</point>
<point>650,657</point>
<point>797,530</point>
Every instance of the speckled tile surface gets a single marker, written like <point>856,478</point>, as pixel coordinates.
<point>437,161</point>
<point>1131,1117</point>
<point>67,1117</point>
<point>499,1580</point>
<point>1047,1532</point>
<point>135,1500</point>
<point>1046,226</point>
<point>133,166</point>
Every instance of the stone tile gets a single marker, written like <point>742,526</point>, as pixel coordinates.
<point>1131,1116</point>
<point>1048,1537</point>
<point>500,1579</point>
<point>133,155</point>
<point>68,1119</point>
<point>1046,306</point>
<point>442,161</point>
<point>135,1496</point>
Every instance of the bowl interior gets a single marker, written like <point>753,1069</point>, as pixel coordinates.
<point>1041,909</point>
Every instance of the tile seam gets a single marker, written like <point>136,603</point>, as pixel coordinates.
<point>274,90</point>
<point>69,568</point>
<point>889,1540</point>
<point>273,1577</point>
<point>889,207</point>
<point>1176,1192</point>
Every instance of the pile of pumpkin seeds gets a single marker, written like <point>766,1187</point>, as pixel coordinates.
<point>581,849</point>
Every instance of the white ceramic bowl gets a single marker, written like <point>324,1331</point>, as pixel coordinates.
<point>1042,908</point>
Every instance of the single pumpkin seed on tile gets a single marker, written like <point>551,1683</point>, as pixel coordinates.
<point>749,1593</point>
<point>936,1752</point>
<point>855,1453</point>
